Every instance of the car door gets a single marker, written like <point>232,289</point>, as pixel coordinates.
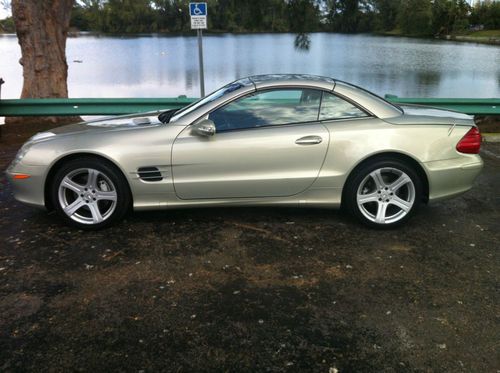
<point>267,144</point>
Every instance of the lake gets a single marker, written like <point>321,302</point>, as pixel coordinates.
<point>161,66</point>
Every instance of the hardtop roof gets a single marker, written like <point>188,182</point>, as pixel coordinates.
<point>276,78</point>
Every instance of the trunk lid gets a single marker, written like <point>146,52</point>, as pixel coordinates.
<point>414,114</point>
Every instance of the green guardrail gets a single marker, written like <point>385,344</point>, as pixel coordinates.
<point>117,106</point>
<point>87,106</point>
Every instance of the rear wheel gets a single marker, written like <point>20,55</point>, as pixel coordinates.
<point>383,193</point>
<point>89,194</point>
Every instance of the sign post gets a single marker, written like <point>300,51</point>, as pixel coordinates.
<point>198,13</point>
<point>2,119</point>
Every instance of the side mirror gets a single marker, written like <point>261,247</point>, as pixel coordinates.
<point>204,128</point>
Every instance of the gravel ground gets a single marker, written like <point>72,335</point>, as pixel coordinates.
<point>253,289</point>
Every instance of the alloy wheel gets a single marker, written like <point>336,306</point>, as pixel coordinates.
<point>87,196</point>
<point>386,195</point>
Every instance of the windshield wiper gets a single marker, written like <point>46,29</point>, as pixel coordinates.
<point>166,115</point>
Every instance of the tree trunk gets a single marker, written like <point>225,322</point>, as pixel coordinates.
<point>42,27</point>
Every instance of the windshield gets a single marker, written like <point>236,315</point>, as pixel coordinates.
<point>231,87</point>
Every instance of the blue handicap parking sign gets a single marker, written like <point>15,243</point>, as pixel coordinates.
<point>198,9</point>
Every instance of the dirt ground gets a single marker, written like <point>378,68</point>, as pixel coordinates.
<point>489,123</point>
<point>253,289</point>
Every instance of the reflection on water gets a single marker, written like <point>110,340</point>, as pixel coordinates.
<point>158,66</point>
<point>302,42</point>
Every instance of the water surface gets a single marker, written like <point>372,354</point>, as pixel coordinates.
<point>159,66</point>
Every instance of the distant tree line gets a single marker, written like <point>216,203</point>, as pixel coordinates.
<point>408,17</point>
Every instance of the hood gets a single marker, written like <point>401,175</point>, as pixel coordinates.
<point>111,123</point>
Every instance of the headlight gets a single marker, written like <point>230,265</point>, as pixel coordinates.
<point>27,145</point>
<point>20,154</point>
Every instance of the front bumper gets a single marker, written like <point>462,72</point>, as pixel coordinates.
<point>31,190</point>
<point>451,177</point>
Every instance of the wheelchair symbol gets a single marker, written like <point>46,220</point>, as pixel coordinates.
<point>197,11</point>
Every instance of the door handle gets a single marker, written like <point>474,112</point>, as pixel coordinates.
<point>309,140</point>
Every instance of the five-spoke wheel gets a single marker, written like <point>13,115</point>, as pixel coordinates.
<point>383,193</point>
<point>89,193</point>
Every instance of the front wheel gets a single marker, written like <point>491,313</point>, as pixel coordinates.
<point>383,193</point>
<point>89,193</point>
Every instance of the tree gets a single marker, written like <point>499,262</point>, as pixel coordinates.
<point>347,15</point>
<point>449,16</point>
<point>129,16</point>
<point>92,12</point>
<point>303,15</point>
<point>486,13</point>
<point>386,14</point>
<point>41,28</point>
<point>415,17</point>
<point>7,24</point>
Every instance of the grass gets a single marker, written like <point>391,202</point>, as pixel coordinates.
<point>473,34</point>
<point>485,34</point>
<point>395,32</point>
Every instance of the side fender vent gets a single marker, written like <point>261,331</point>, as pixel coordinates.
<point>149,174</point>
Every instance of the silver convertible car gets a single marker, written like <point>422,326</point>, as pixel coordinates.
<point>287,140</point>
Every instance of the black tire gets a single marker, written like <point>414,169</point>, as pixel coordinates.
<point>115,204</point>
<point>369,210</point>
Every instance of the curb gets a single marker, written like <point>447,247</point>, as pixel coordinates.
<point>491,137</point>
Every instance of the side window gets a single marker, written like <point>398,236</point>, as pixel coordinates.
<point>333,107</point>
<point>268,108</point>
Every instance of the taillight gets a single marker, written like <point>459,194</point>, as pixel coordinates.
<point>471,142</point>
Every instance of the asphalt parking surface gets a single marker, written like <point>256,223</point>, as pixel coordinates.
<point>254,289</point>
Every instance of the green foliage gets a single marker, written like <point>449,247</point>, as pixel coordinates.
<point>385,14</point>
<point>248,15</point>
<point>79,17</point>
<point>414,17</point>
<point>449,16</point>
<point>7,25</point>
<point>486,13</point>
<point>303,15</point>
<point>344,15</point>
<point>411,17</point>
<point>170,15</point>
<point>126,16</point>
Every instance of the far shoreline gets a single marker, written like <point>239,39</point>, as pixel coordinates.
<point>487,40</point>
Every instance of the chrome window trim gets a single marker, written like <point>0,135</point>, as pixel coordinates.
<point>285,87</point>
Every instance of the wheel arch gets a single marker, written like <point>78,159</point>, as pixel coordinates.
<point>394,156</point>
<point>68,157</point>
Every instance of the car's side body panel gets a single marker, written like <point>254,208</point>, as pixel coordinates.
<point>127,148</point>
<point>354,141</point>
<point>257,162</point>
